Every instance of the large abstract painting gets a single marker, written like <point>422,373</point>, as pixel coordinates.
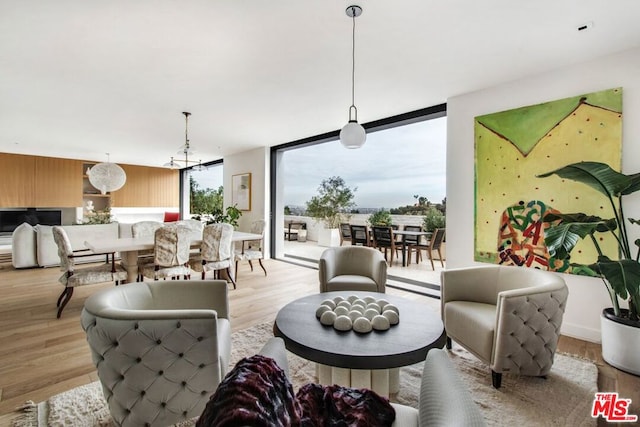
<point>513,147</point>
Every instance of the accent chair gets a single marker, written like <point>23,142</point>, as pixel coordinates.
<point>352,268</point>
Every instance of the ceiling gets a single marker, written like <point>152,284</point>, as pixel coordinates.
<point>79,78</point>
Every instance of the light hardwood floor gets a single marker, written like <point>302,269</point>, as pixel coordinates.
<point>41,355</point>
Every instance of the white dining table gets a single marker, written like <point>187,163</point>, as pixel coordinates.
<point>128,247</point>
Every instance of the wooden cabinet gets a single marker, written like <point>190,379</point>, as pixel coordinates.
<point>57,183</point>
<point>92,199</point>
<point>17,181</point>
<point>148,186</point>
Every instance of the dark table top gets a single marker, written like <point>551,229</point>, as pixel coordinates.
<point>406,343</point>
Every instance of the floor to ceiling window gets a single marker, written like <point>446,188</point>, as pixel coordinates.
<point>202,191</point>
<point>400,170</point>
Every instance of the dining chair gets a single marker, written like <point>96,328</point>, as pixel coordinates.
<point>434,245</point>
<point>411,242</point>
<point>345,233</point>
<point>383,238</point>
<point>144,229</point>
<point>215,251</point>
<point>359,235</point>
<point>252,249</point>
<point>73,277</point>
<point>170,254</point>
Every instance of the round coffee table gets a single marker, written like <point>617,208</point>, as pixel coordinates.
<point>360,360</point>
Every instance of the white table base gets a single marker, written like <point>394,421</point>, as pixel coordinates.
<point>382,381</point>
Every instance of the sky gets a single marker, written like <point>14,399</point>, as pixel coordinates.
<point>393,165</point>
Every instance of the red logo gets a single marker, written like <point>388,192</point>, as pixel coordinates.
<point>612,408</point>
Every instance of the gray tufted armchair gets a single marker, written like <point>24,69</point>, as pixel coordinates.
<point>160,348</point>
<point>509,317</point>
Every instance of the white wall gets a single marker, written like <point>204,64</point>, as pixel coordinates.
<point>587,296</point>
<point>255,162</point>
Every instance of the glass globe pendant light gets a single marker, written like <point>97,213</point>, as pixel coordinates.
<point>353,134</point>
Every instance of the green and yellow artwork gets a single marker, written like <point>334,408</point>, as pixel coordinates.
<point>513,147</point>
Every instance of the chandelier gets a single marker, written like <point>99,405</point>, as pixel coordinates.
<point>107,176</point>
<point>186,151</point>
<point>353,134</point>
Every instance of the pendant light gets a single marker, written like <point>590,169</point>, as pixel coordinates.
<point>186,150</point>
<point>107,176</point>
<point>353,134</point>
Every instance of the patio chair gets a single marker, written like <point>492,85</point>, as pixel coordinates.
<point>171,253</point>
<point>215,251</point>
<point>359,235</point>
<point>433,245</point>
<point>411,242</point>
<point>383,238</point>
<point>72,277</point>
<point>345,233</point>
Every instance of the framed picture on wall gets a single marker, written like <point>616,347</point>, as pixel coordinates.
<point>241,191</point>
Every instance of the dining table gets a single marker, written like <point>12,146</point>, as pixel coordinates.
<point>128,247</point>
<point>404,234</point>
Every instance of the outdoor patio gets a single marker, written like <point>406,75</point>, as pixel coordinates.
<point>415,277</point>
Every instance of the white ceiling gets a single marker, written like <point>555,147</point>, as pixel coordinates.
<point>82,78</point>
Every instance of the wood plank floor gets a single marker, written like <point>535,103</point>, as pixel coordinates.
<point>41,355</point>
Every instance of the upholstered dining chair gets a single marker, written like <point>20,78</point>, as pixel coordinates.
<point>252,250</point>
<point>160,348</point>
<point>170,253</point>
<point>215,251</point>
<point>144,229</point>
<point>72,276</point>
<point>508,317</point>
<point>352,268</point>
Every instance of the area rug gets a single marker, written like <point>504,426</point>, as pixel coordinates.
<point>564,398</point>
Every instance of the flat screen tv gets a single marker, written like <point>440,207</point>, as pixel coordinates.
<point>10,219</point>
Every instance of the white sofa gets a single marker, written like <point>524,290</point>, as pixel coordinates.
<point>33,246</point>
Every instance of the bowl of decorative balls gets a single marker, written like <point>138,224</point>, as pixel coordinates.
<point>362,314</point>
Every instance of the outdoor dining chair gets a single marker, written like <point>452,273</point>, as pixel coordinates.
<point>345,233</point>
<point>359,235</point>
<point>383,238</point>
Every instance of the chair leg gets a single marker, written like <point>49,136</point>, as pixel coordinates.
<point>496,379</point>
<point>448,345</point>
<point>433,267</point>
<point>263,269</point>
<point>236,275</point>
<point>440,256</point>
<point>67,293</point>
<point>231,278</point>
<point>251,265</point>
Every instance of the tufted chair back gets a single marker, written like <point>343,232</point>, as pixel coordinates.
<point>352,268</point>
<point>509,317</point>
<point>160,348</point>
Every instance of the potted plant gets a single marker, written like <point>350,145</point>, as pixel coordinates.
<point>620,326</point>
<point>380,218</point>
<point>330,206</point>
<point>230,215</point>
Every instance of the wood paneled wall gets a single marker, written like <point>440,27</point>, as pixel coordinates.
<point>44,182</point>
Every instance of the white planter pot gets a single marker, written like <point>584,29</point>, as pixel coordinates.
<point>329,237</point>
<point>620,345</point>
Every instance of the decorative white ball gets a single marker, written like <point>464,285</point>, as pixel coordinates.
<point>352,298</point>
<point>359,302</point>
<point>380,323</point>
<point>328,318</point>
<point>329,303</point>
<point>362,325</point>
<point>343,323</point>
<point>321,310</point>
<point>341,310</point>
<point>359,308</point>
<point>392,308</point>
<point>382,303</point>
<point>370,313</point>
<point>353,315</point>
<point>369,299</point>
<point>374,306</point>
<point>346,304</point>
<point>391,316</point>
<point>338,299</point>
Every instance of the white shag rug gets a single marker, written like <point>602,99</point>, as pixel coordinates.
<point>563,399</point>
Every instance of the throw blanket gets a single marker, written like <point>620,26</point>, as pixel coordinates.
<point>258,393</point>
